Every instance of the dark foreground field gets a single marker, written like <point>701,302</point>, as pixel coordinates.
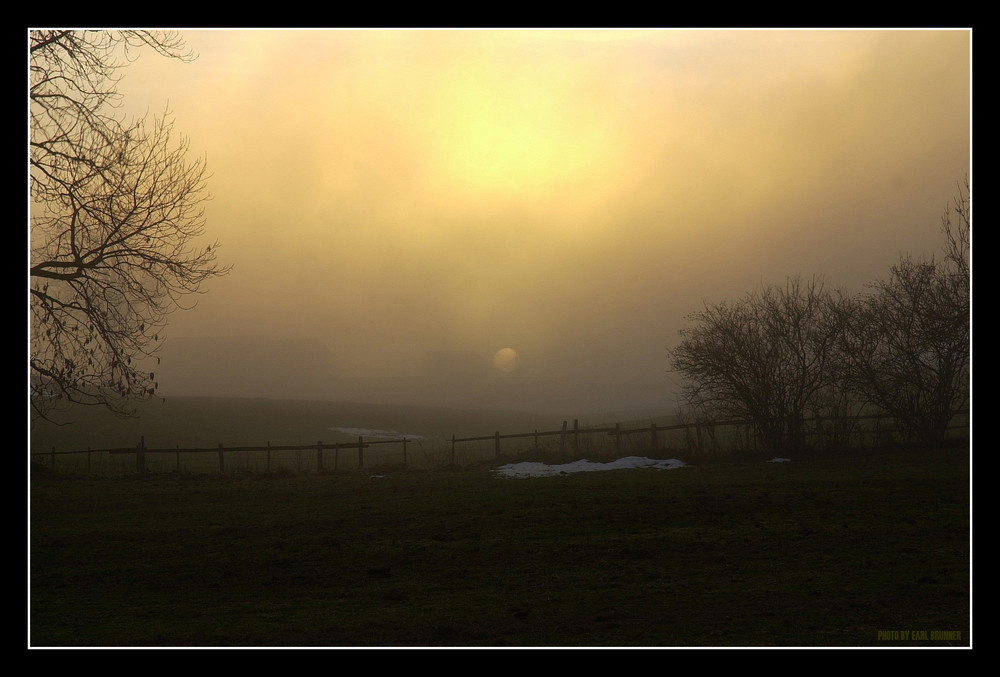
<point>854,549</point>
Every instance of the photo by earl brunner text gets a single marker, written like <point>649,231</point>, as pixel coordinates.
<point>920,635</point>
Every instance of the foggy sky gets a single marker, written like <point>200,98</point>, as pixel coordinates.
<point>572,195</point>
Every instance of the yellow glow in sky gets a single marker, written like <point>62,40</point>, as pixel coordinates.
<point>514,134</point>
<point>573,194</point>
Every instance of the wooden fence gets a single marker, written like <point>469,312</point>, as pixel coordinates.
<point>701,436</point>
<point>142,454</point>
<point>572,437</point>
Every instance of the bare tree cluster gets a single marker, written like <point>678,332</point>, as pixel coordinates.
<point>901,349</point>
<point>767,358</point>
<point>116,208</point>
<point>906,343</point>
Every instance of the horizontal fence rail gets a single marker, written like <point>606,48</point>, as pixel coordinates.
<point>701,436</point>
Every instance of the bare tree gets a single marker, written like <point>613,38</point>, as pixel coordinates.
<point>115,212</point>
<point>957,228</point>
<point>906,343</point>
<point>766,359</point>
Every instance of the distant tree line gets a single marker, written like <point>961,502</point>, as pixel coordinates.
<point>785,354</point>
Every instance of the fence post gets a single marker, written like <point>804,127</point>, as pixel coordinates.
<point>562,438</point>
<point>404,452</point>
<point>653,436</point>
<point>576,428</point>
<point>618,437</point>
<point>140,456</point>
<point>361,454</point>
<point>222,460</point>
<point>496,442</point>
<point>268,456</point>
<point>536,438</point>
<point>319,456</point>
<point>452,449</point>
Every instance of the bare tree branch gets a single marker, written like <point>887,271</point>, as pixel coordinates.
<point>116,213</point>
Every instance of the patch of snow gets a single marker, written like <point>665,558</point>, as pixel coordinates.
<point>778,459</point>
<point>534,469</point>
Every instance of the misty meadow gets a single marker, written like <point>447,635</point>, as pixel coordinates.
<point>309,308</point>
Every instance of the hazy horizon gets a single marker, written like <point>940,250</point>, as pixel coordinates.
<point>571,195</point>
<point>307,370</point>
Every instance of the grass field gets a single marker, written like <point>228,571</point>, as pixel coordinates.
<point>834,549</point>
